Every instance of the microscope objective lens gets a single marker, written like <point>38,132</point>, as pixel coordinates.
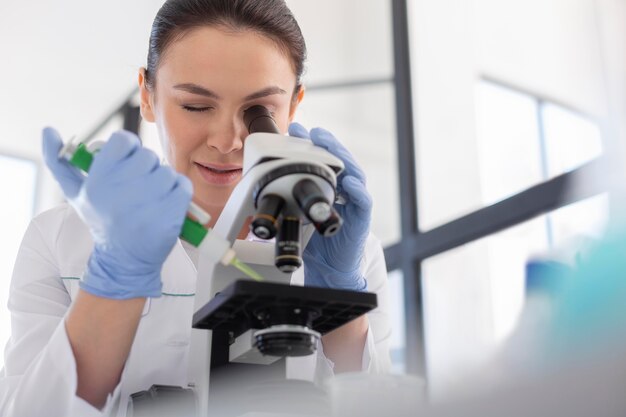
<point>264,223</point>
<point>287,257</point>
<point>316,207</point>
<point>262,232</point>
<point>320,211</point>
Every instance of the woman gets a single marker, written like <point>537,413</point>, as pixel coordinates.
<point>80,346</point>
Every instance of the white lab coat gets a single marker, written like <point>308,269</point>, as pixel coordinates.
<point>39,378</point>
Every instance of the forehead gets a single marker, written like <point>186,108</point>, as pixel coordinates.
<point>225,60</point>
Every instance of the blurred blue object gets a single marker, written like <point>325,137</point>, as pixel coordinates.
<point>546,276</point>
<point>590,312</point>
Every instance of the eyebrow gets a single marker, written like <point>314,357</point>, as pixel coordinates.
<point>201,91</point>
<point>269,91</point>
<point>196,89</point>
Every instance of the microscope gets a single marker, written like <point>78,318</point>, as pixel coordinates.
<point>243,330</point>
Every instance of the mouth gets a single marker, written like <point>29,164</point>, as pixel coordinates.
<point>219,174</point>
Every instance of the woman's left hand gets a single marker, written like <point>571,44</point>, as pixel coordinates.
<point>334,262</point>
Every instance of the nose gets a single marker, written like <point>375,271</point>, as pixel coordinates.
<point>229,136</point>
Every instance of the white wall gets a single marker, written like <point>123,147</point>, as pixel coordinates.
<point>346,40</point>
<point>66,63</point>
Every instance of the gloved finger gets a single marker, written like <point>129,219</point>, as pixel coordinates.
<point>298,131</point>
<point>145,190</point>
<point>185,185</point>
<point>51,145</point>
<point>323,138</point>
<point>357,193</point>
<point>165,179</point>
<point>120,146</point>
<point>141,162</point>
<point>177,200</point>
<point>182,188</point>
<point>68,177</point>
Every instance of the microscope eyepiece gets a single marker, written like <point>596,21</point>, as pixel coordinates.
<point>288,257</point>
<point>259,119</point>
<point>316,207</point>
<point>265,221</point>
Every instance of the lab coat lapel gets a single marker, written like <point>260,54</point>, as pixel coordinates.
<point>178,274</point>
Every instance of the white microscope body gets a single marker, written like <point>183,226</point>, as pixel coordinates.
<point>273,165</point>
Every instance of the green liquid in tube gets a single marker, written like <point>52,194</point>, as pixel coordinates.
<point>246,269</point>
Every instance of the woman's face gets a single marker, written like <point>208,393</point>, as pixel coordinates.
<point>205,82</point>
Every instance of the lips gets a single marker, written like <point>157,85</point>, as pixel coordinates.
<point>215,174</point>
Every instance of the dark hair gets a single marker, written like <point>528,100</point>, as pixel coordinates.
<point>271,18</point>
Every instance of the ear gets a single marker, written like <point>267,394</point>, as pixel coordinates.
<point>296,103</point>
<point>145,95</point>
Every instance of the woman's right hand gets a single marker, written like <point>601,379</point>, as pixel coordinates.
<point>134,208</point>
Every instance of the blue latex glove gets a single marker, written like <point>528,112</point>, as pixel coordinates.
<point>134,208</point>
<point>334,262</point>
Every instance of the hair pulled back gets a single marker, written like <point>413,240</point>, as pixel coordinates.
<point>271,18</point>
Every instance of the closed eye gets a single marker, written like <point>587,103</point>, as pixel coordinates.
<point>196,109</point>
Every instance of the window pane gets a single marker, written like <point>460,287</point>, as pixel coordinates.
<point>580,221</point>
<point>346,40</point>
<point>461,170</point>
<point>472,297</point>
<point>397,316</point>
<point>519,44</point>
<point>515,149</point>
<point>363,119</point>
<point>571,140</point>
<point>509,149</point>
<point>19,181</point>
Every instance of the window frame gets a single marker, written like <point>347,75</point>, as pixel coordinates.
<point>416,245</point>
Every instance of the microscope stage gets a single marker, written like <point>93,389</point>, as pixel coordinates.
<point>247,304</point>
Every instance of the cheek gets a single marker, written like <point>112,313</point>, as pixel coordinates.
<point>180,136</point>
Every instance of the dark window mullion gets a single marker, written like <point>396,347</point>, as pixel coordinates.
<point>411,268</point>
<point>132,118</point>
<point>555,193</point>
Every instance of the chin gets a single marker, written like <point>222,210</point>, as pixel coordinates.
<point>213,196</point>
